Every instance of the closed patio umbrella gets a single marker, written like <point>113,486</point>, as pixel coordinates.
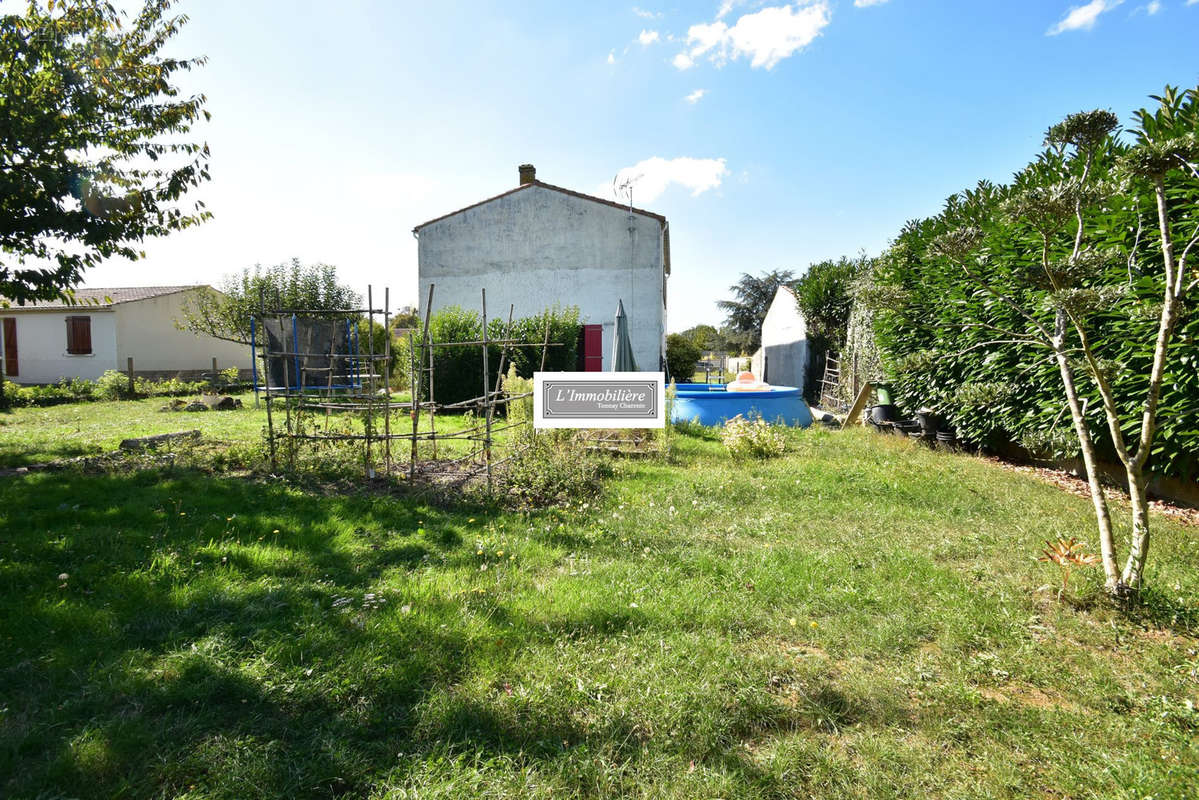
<point>622,345</point>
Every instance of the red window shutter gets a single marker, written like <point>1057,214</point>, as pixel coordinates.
<point>593,348</point>
<point>10,346</point>
<point>79,335</point>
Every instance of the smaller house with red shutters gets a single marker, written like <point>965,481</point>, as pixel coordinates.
<point>538,246</point>
<point>44,342</point>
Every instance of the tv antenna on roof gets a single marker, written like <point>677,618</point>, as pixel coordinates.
<point>624,189</point>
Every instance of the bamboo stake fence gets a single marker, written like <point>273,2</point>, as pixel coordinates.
<point>362,389</point>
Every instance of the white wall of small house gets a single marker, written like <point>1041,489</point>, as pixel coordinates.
<point>146,330</point>
<point>42,346</point>
<point>784,343</point>
<point>537,248</point>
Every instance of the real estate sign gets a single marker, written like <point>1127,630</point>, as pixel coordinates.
<point>599,400</point>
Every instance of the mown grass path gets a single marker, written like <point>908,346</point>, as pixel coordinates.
<point>860,618</point>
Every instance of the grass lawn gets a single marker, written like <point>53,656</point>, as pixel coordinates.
<point>860,618</point>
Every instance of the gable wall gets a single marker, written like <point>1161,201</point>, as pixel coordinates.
<point>146,330</point>
<point>537,248</point>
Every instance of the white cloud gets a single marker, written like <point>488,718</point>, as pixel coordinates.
<point>641,12</point>
<point>611,56</point>
<point>866,3</point>
<point>696,96</point>
<point>765,37</point>
<point>1154,7</point>
<point>647,38</point>
<point>727,5</point>
<point>1083,17</point>
<point>1192,2</point>
<point>653,176</point>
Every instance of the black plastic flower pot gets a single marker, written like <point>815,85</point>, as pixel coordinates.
<point>930,421</point>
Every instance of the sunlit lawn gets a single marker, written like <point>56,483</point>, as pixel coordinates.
<point>860,618</point>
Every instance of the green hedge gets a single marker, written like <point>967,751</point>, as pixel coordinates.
<point>935,354</point>
<point>458,371</point>
<point>112,385</point>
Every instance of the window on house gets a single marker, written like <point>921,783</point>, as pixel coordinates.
<point>79,336</point>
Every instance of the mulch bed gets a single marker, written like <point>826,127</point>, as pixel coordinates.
<point>1078,486</point>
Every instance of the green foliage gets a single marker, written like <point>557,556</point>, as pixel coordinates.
<point>520,409</point>
<point>112,385</point>
<point>860,358</point>
<point>825,297</point>
<point>553,469</point>
<point>752,438</point>
<point>682,353</point>
<point>289,285</point>
<point>458,371</point>
<point>705,337</point>
<point>752,298</point>
<point>92,160</point>
<point>943,332</point>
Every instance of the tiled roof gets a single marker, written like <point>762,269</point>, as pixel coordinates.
<point>106,298</point>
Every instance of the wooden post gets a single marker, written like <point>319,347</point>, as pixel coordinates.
<point>387,381</point>
<point>486,399</point>
<point>130,372</point>
<point>414,395</point>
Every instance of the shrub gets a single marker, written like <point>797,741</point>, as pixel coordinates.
<point>554,468</point>
<point>682,354</point>
<point>458,371</point>
<point>112,385</point>
<point>752,438</point>
<point>521,409</point>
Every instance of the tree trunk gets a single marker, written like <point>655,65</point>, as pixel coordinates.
<point>1134,569</point>
<point>1102,516</point>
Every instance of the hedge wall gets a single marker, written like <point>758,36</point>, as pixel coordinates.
<point>458,371</point>
<point>935,353</point>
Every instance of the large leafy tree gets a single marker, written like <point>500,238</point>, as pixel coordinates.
<point>825,296</point>
<point>752,297</point>
<point>290,285</point>
<point>93,150</point>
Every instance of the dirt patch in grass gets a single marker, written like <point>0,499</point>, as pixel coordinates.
<point>1029,697</point>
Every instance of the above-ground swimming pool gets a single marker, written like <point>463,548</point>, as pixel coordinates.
<point>713,404</point>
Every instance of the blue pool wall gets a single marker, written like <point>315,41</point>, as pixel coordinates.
<point>711,404</point>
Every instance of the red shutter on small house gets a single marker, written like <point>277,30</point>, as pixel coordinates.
<point>79,335</point>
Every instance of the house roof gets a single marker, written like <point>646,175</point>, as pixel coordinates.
<point>553,188</point>
<point>661,219</point>
<point>88,297</point>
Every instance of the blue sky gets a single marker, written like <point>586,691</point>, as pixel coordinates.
<point>771,135</point>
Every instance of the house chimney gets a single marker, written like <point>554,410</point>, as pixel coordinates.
<point>528,174</point>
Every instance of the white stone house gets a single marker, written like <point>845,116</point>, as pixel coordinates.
<point>782,360</point>
<point>46,341</point>
<point>538,246</point>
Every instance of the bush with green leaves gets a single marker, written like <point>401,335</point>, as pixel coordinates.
<point>553,468</point>
<point>747,438</point>
<point>682,354</point>
<point>519,408</point>
<point>458,371</point>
